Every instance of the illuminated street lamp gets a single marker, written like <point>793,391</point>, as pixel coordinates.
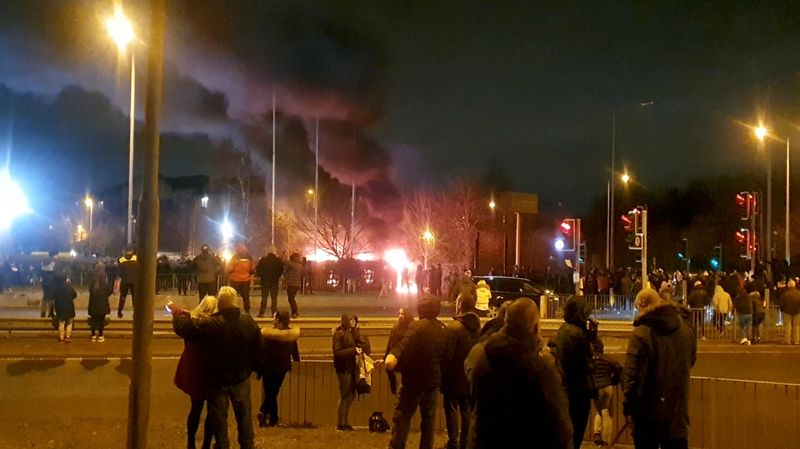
<point>120,29</point>
<point>13,201</point>
<point>89,203</point>
<point>226,229</point>
<point>761,132</point>
<point>427,240</point>
<point>625,178</point>
<point>492,205</point>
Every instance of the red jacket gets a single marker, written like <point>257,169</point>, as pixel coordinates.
<point>241,269</point>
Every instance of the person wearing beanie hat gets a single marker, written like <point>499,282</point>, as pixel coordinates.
<point>420,356</point>
<point>661,353</point>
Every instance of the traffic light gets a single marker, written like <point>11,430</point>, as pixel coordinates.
<point>566,240</point>
<point>743,203</point>
<point>744,243</point>
<point>716,259</point>
<point>683,250</point>
<point>631,222</point>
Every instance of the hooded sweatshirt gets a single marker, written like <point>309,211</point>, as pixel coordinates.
<point>573,349</point>
<point>661,352</point>
<point>484,295</point>
<point>463,333</point>
<point>721,300</point>
<point>422,354</point>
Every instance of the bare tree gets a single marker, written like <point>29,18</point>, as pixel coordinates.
<point>421,224</point>
<point>461,206</point>
<point>335,235</point>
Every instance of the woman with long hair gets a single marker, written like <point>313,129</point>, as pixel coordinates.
<point>99,307</point>
<point>191,375</point>
<point>348,343</point>
<point>277,361</point>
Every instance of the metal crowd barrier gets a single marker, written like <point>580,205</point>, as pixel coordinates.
<point>724,413</point>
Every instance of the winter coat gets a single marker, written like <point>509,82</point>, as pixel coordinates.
<point>461,286</point>
<point>399,331</point>
<point>98,299</point>
<point>721,300</point>
<point>294,273</point>
<point>269,269</point>
<point>697,297</point>
<point>518,396</point>
<point>231,341</point>
<point>63,297</point>
<point>278,356</point>
<point>206,268</point>
<point>127,270</point>
<point>190,374</point>
<point>422,353</point>
<point>344,349</point>
<point>483,296</point>
<point>491,327</point>
<point>607,371</point>
<point>790,301</point>
<point>573,350</point>
<point>758,304</point>
<point>241,268</point>
<point>661,353</point>
<point>463,332</point>
<point>743,303</point>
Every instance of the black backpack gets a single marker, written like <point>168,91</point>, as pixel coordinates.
<point>377,423</point>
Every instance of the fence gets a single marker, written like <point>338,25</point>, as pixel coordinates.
<point>729,414</point>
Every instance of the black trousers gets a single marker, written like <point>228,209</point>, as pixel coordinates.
<point>457,408</point>
<point>272,386</point>
<point>580,404</point>
<point>269,291</point>
<point>407,403</point>
<point>291,291</point>
<point>193,424</point>
<point>97,323</point>
<point>205,289</point>
<point>123,295</point>
<point>243,289</point>
<point>239,396</point>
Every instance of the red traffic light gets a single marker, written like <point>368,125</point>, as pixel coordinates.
<point>566,227</point>
<point>627,223</point>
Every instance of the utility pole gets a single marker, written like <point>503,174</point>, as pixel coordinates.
<point>518,242</point>
<point>645,278</point>
<point>141,354</point>
<point>577,273</point>
<point>272,224</point>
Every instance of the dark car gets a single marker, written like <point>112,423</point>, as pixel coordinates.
<point>506,288</point>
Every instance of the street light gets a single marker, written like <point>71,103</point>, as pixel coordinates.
<point>89,203</point>
<point>492,205</point>
<point>120,29</point>
<point>427,239</point>
<point>761,133</point>
<point>625,178</point>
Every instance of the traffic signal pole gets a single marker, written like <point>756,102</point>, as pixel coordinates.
<point>645,278</point>
<point>578,255</point>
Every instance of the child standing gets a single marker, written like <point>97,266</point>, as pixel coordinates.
<point>607,373</point>
<point>99,306</point>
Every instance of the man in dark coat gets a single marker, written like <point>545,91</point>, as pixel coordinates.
<point>421,357</point>
<point>463,332</point>
<point>573,351</point>
<point>661,353</point>
<point>270,270</point>
<point>519,401</point>
<point>206,269</point>
<point>790,307</point>
<point>233,346</point>
<point>127,279</point>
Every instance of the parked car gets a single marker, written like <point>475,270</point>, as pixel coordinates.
<point>506,288</point>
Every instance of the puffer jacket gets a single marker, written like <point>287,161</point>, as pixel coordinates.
<point>484,295</point>
<point>241,268</point>
<point>463,332</point>
<point>661,353</point>
<point>345,340</point>
<point>607,371</point>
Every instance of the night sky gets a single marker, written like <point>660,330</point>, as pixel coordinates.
<point>417,92</point>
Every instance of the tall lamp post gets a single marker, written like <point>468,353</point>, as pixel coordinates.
<point>89,203</point>
<point>493,206</point>
<point>761,134</point>
<point>121,32</point>
<point>427,242</point>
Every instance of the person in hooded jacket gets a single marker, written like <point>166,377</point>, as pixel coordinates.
<point>64,306</point>
<point>573,351</point>
<point>99,307</point>
<point>270,270</point>
<point>519,401</point>
<point>348,343</point>
<point>206,269</point>
<point>723,304</point>
<point>607,373</point>
<point>484,294</point>
<point>661,353</point>
<point>698,299</point>
<point>126,268</point>
<point>495,324</point>
<point>790,307</point>
<point>421,357</point>
<point>404,319</point>
<point>463,332</point>
<point>277,361</point>
<point>240,272</point>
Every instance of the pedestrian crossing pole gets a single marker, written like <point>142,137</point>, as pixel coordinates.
<point>645,277</point>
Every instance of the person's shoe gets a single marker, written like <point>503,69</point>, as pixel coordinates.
<point>67,340</point>
<point>348,428</point>
<point>597,439</point>
<point>744,341</point>
<point>60,340</point>
<point>262,420</point>
<point>41,315</point>
<point>101,339</point>
<point>93,339</point>
<point>295,315</point>
<point>340,428</point>
<point>119,313</point>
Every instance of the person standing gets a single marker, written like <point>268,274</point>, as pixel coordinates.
<point>723,304</point>
<point>348,343</point>
<point>270,270</point>
<point>126,269</point>
<point>436,281</point>
<point>240,273</point>
<point>206,270</point>
<point>484,294</point>
<point>744,313</point>
<point>47,273</point>
<point>790,307</point>
<point>420,357</point>
<point>419,280</point>
<point>190,376</point>
<point>758,314</point>
<point>231,341</point>
<point>399,330</point>
<point>276,362</point>
<point>99,306</point>
<point>517,391</point>
<point>697,301</point>
<point>573,351</point>
<point>661,353</point>
<point>607,373</point>
<point>293,273</point>
<point>64,305</point>
<point>463,333</point>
